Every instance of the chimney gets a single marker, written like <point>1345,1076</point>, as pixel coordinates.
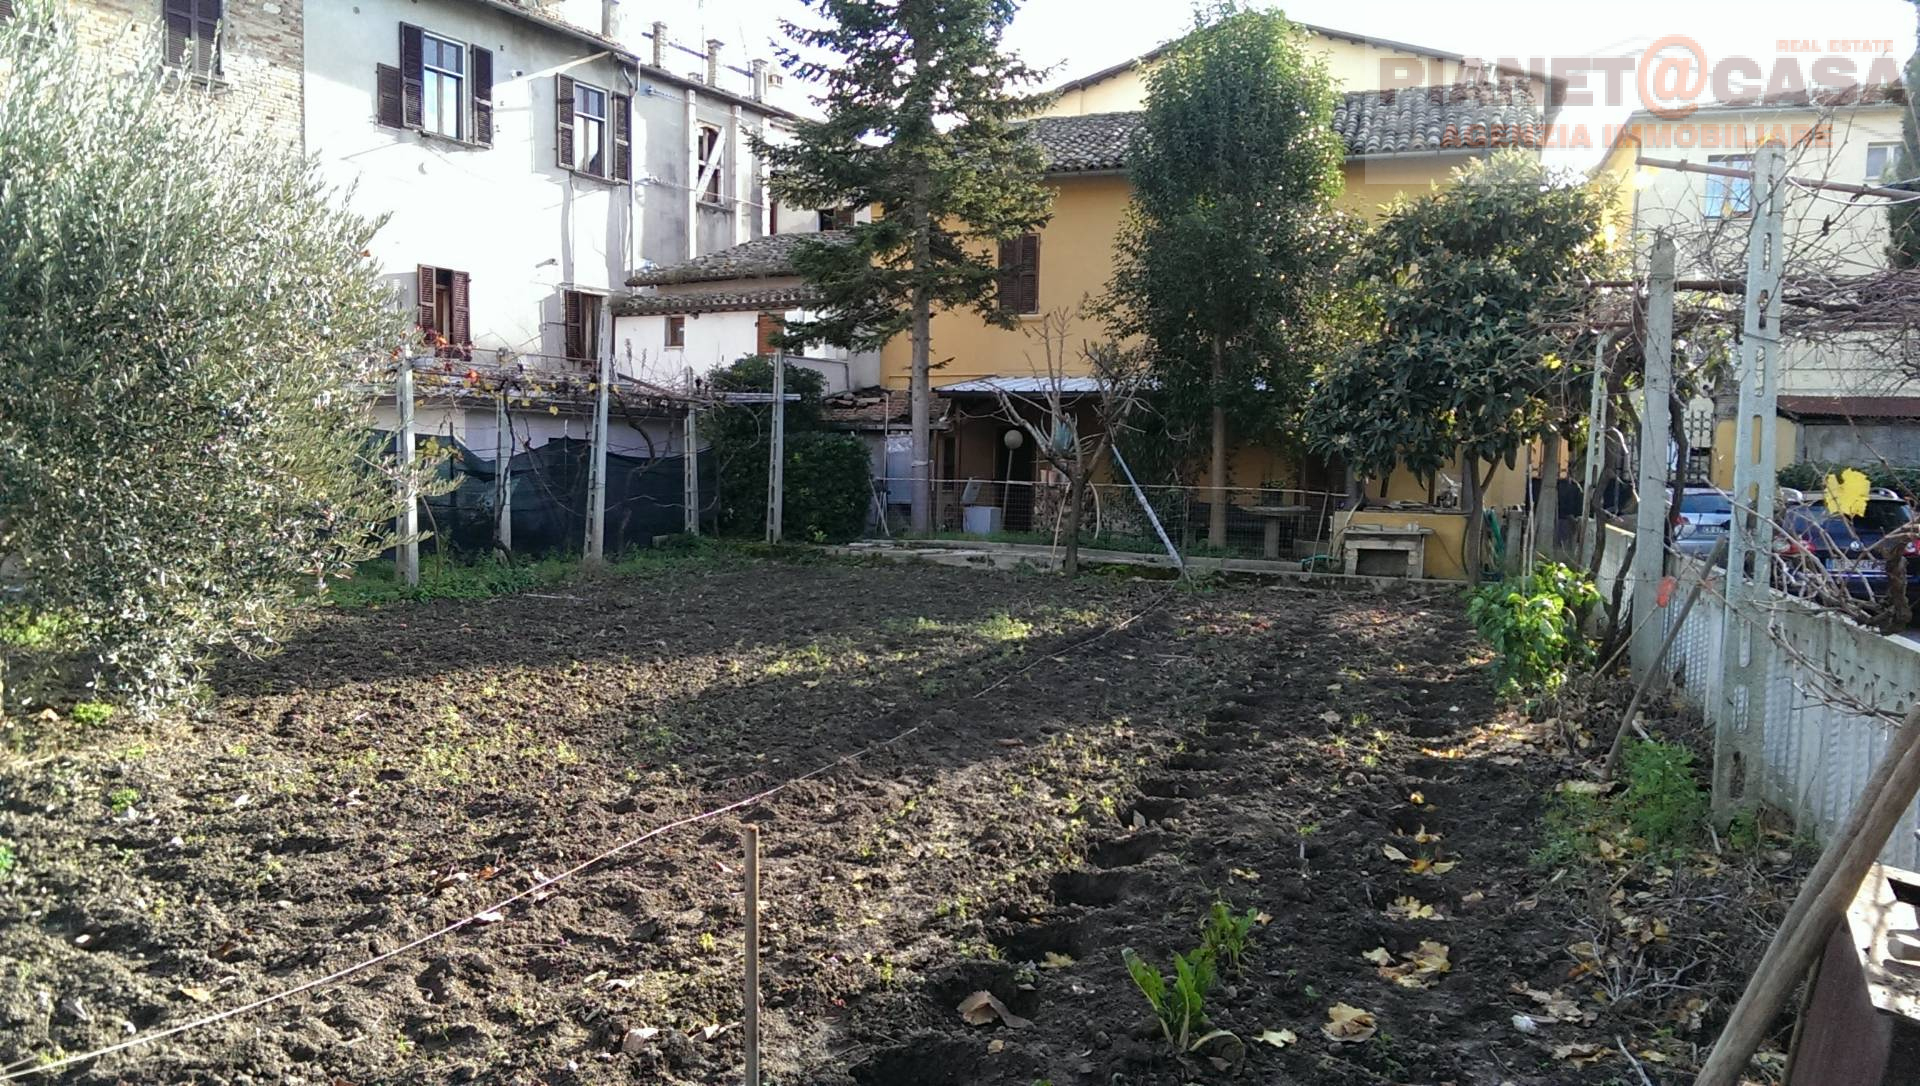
<point>713,61</point>
<point>610,19</point>
<point>659,44</point>
<point>759,80</point>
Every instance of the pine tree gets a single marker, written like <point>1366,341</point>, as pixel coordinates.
<point>1225,264</point>
<point>921,127</point>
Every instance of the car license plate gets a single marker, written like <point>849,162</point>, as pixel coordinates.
<point>1854,565</point>
<point>1709,529</point>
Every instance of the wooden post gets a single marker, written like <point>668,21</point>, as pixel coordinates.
<point>502,485</point>
<point>750,839</point>
<point>1650,527</point>
<point>407,555</point>
<point>777,453</point>
<point>597,468</point>
<point>1822,901</point>
<point>690,482</point>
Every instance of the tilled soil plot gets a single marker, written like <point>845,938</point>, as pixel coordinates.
<point>1095,764</point>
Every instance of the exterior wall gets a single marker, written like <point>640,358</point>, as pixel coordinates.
<point>1720,468</point>
<point>477,430</point>
<point>261,55</point>
<point>1828,236</point>
<point>523,228</point>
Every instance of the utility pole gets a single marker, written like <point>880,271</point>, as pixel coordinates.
<point>1650,526</point>
<point>777,454</point>
<point>597,467</point>
<point>1747,651</point>
<point>502,464</point>
<point>690,485</point>
<point>407,555</point>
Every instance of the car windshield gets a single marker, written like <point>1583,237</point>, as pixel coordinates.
<point>1884,516</point>
<point>1705,502</point>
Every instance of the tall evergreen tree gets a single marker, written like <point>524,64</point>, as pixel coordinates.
<point>1903,219</point>
<point>920,127</point>
<point>1225,262</point>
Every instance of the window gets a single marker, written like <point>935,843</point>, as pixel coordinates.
<point>192,37</point>
<point>1880,160</point>
<point>676,331</point>
<point>1728,197</point>
<point>444,318</point>
<point>593,130</point>
<point>440,86</point>
<point>711,181</point>
<point>583,325</point>
<point>443,71</point>
<point>1020,274</point>
<point>589,129</point>
<point>836,219</point>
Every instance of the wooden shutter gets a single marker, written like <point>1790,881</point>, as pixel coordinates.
<point>206,37</point>
<point>6,10</point>
<point>563,121</point>
<point>576,323</point>
<point>622,137</point>
<point>386,94</point>
<point>412,75</point>
<point>179,33</point>
<point>482,69</point>
<point>1028,288</point>
<point>460,321</point>
<point>424,276</point>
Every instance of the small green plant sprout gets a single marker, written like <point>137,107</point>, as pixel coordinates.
<point>7,859</point>
<point>91,713</point>
<point>121,800</point>
<point>1179,1007</point>
<point>1225,934</point>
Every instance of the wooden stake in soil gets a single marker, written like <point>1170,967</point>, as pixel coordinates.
<point>750,838</point>
<point>1822,900</point>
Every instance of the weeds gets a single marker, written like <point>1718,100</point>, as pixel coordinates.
<point>1179,1007</point>
<point>1004,627</point>
<point>1225,934</point>
<point>7,860</point>
<point>121,800</point>
<point>1663,803</point>
<point>91,713</point>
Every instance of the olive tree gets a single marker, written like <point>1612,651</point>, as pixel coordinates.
<point>189,329</point>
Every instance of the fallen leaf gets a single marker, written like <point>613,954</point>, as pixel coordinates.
<point>1418,799</point>
<point>636,1039</point>
<point>198,995</point>
<point>1349,1024</point>
<point>1422,966</point>
<point>1263,919</point>
<point>981,1008</point>
<point>1581,788</point>
<point>1393,854</point>
<point>1278,1038</point>
<point>1425,838</point>
<point>1379,956</point>
<point>1411,908</point>
<point>1582,1052</point>
<point>1244,873</point>
<point>1055,961</point>
<point>1443,867</point>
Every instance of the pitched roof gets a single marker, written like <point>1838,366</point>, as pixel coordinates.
<point>720,301</point>
<point>1416,120</point>
<point>876,409</point>
<point>763,257</point>
<point>1850,407</point>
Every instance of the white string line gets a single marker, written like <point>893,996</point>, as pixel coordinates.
<point>18,1071</point>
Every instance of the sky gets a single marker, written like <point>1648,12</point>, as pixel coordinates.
<point>1077,37</point>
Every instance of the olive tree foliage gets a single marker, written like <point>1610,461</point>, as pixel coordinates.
<point>1227,262</point>
<point>188,327</point>
<point>1474,294</point>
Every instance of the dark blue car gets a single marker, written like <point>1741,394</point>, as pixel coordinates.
<point>1852,551</point>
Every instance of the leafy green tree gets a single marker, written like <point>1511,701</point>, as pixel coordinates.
<point>1474,292</point>
<point>187,327</point>
<point>1225,262</point>
<point>1903,218</point>
<point>828,476</point>
<point>919,127</point>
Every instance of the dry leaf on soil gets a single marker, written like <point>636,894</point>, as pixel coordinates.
<point>1393,854</point>
<point>1349,1024</point>
<point>1379,956</point>
<point>1412,908</point>
<point>981,1008</point>
<point>1055,961</point>
<point>1582,1052</point>
<point>1278,1038</point>
<point>1422,967</point>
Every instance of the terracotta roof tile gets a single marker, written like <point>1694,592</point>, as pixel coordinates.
<point>763,257</point>
<point>720,301</point>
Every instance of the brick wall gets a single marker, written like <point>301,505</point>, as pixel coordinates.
<point>262,55</point>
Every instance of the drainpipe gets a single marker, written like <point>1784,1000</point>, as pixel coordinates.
<point>713,61</point>
<point>659,44</point>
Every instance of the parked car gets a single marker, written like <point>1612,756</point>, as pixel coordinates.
<point>1850,551</point>
<point>1704,518</point>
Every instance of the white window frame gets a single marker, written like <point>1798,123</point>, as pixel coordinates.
<point>710,184</point>
<point>582,159</point>
<point>432,76</point>
<point>1721,190</point>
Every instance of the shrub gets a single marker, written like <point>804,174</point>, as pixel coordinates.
<point>186,322</point>
<point>829,480</point>
<point>1663,802</point>
<point>1534,624</point>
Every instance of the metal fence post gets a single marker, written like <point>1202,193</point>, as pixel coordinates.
<point>777,455</point>
<point>407,555</point>
<point>1748,651</point>
<point>502,470</point>
<point>690,485</point>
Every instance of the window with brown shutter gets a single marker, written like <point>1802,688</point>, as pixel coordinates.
<point>765,327</point>
<point>1020,274</point>
<point>711,184</point>
<point>582,318</point>
<point>676,331</point>
<point>563,121</point>
<point>192,41</point>
<point>412,70</point>
<point>482,69</point>
<point>387,93</point>
<point>622,138</point>
<point>443,310</point>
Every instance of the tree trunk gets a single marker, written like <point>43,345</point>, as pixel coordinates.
<point>1076,493</point>
<point>1217,467</point>
<point>1546,507</point>
<point>920,389</point>
<point>1476,525</point>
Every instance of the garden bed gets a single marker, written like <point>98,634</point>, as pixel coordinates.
<point>402,767</point>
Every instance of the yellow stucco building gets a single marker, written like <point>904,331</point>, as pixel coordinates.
<point>1409,116</point>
